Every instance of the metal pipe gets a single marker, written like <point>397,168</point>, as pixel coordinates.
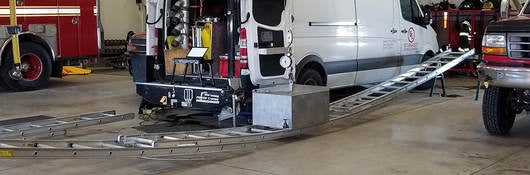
<point>235,108</point>
<point>186,22</point>
<point>231,36</point>
<point>15,42</point>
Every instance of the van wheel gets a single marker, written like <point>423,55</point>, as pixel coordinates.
<point>428,84</point>
<point>36,68</point>
<point>311,77</point>
<point>497,111</point>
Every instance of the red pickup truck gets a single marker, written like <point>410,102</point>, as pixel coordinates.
<point>506,72</point>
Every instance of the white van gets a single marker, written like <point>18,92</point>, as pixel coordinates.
<point>335,43</point>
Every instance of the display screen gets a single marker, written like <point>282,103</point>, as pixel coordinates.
<point>197,52</point>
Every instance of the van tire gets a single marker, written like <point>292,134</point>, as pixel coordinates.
<point>497,113</point>
<point>310,77</point>
<point>39,72</point>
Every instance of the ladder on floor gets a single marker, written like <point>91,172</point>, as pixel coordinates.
<point>231,139</point>
<point>57,126</point>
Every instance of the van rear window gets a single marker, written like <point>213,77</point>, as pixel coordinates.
<point>268,12</point>
<point>527,10</point>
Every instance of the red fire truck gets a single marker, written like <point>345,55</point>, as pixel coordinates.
<point>52,31</point>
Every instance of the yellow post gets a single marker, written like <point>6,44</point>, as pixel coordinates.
<point>14,39</point>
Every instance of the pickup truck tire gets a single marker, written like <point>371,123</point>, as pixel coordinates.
<point>310,77</point>
<point>38,68</point>
<point>497,113</point>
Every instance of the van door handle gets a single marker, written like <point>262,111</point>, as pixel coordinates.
<point>393,30</point>
<point>404,31</point>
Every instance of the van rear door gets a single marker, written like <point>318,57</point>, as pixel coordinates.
<point>266,42</point>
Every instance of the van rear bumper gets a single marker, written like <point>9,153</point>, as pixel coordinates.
<point>182,96</point>
<point>513,77</point>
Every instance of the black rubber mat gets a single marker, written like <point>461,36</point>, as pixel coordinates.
<point>24,120</point>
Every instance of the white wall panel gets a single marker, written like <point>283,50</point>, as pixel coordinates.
<point>120,16</point>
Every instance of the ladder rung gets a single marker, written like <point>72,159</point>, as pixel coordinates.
<point>86,118</point>
<point>108,115</point>
<point>3,145</point>
<point>60,122</point>
<point>186,145</point>
<point>415,77</point>
<point>422,71</point>
<point>106,145</point>
<point>393,87</point>
<point>451,57</point>
<point>80,146</point>
<point>6,130</point>
<point>195,137</point>
<point>438,61</point>
<point>144,145</point>
<point>434,67</point>
<point>218,135</point>
<point>402,82</point>
<point>35,126</point>
<point>44,146</point>
<point>170,138</point>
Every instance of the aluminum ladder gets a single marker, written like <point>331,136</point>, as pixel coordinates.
<point>56,126</point>
<point>230,139</point>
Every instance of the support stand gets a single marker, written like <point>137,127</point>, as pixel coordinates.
<point>442,78</point>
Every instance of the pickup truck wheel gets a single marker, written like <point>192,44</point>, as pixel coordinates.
<point>36,68</point>
<point>497,112</point>
<point>310,77</point>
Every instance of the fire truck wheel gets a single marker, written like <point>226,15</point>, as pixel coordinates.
<point>497,112</point>
<point>36,68</point>
<point>311,77</point>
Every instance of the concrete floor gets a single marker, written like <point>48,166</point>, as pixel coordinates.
<point>414,134</point>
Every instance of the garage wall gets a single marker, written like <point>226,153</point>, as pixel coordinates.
<point>121,16</point>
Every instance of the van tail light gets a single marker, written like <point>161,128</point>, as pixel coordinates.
<point>243,52</point>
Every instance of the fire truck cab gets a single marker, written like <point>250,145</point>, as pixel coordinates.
<point>52,31</point>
